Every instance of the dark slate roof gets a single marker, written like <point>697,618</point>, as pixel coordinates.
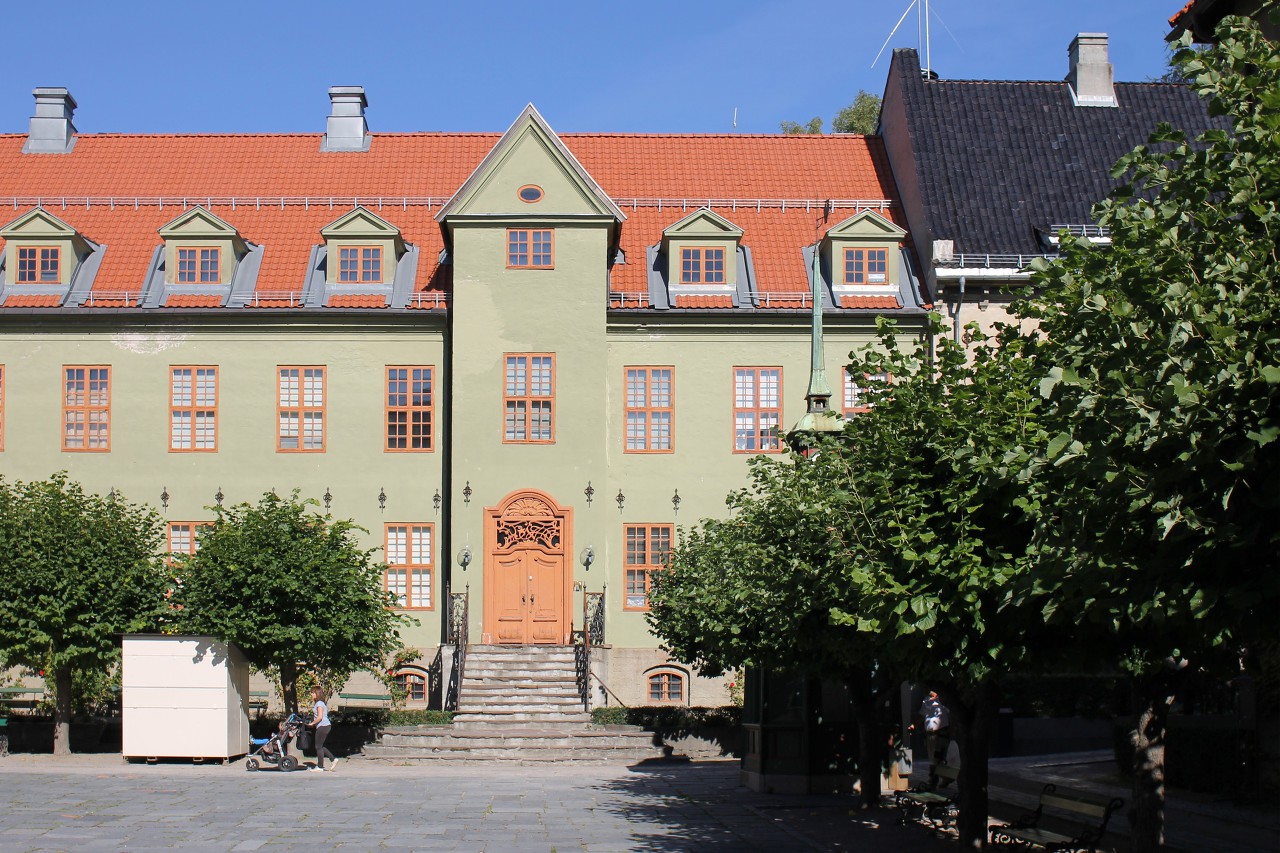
<point>997,159</point>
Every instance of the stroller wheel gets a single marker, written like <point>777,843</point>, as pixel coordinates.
<point>251,764</point>
<point>288,763</point>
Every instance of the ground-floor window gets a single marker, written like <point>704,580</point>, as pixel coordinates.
<point>666,688</point>
<point>412,685</point>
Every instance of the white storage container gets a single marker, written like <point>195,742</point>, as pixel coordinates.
<point>183,697</point>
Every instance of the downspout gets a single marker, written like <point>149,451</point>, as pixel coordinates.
<point>955,316</point>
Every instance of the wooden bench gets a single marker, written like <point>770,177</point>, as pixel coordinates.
<point>1087,816</point>
<point>928,805</point>
<point>365,697</point>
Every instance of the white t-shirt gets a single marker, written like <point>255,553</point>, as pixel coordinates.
<point>321,713</point>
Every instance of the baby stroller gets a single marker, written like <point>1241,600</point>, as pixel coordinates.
<point>275,749</point>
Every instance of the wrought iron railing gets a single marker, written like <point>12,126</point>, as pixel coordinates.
<point>459,604</point>
<point>591,634</point>
<point>593,615</point>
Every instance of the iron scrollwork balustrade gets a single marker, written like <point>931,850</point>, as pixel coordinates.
<point>593,616</point>
<point>458,632</point>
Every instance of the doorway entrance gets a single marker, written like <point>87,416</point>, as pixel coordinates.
<point>527,580</point>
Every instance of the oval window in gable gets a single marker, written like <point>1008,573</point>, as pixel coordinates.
<point>530,193</point>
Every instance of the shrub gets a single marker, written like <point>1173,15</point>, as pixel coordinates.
<point>667,717</point>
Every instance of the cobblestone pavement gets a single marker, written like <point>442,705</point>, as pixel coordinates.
<point>88,803</point>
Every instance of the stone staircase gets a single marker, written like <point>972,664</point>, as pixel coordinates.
<point>518,704</point>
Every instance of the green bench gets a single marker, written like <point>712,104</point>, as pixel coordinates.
<point>1086,817</point>
<point>365,697</point>
<point>928,804</point>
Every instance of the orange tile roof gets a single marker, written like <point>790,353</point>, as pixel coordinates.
<point>716,301</point>
<point>285,190</point>
<point>357,300</point>
<point>1176,16</point>
<point>193,300</point>
<point>33,300</point>
<point>869,302</point>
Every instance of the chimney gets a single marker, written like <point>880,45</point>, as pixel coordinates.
<point>51,129</point>
<point>346,129</point>
<point>1090,74</point>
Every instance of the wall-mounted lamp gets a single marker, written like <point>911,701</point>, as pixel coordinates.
<point>985,302</point>
<point>328,497</point>
<point>621,499</point>
<point>466,493</point>
<point>675,501</point>
<point>111,495</point>
<point>435,501</point>
<point>382,499</point>
<point>218,496</point>
<point>464,557</point>
<point>164,497</point>
<point>587,557</point>
<point>589,492</point>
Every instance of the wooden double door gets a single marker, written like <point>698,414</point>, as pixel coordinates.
<point>527,579</point>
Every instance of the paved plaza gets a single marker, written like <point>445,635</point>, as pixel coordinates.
<point>98,802</point>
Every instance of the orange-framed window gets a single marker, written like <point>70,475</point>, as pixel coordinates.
<point>702,265</point>
<point>360,264</point>
<point>410,553</point>
<point>199,265</point>
<point>528,398</point>
<point>193,408</point>
<point>757,409</point>
<point>39,265</point>
<point>866,266</point>
<point>854,393</point>
<point>412,685</point>
<point>666,687</point>
<point>650,409</point>
<point>530,248</point>
<point>410,408</point>
<point>86,408</point>
<point>1,407</point>
<point>647,549</point>
<point>301,401</point>
<point>184,537</point>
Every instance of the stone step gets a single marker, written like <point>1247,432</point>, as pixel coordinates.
<point>473,668</point>
<point>526,707</point>
<point>520,685</point>
<point>547,755</point>
<point>509,738</point>
<point>517,718</point>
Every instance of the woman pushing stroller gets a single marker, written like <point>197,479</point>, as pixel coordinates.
<point>320,722</point>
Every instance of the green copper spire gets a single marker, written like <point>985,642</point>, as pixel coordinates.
<point>819,396</point>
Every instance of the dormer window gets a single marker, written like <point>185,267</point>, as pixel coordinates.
<point>360,265</point>
<point>199,266</point>
<point>530,248</point>
<point>702,265</point>
<point>39,265</point>
<point>866,266</point>
<point>862,258</point>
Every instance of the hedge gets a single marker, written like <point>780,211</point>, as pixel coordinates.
<point>667,717</point>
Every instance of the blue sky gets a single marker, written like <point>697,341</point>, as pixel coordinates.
<point>661,66</point>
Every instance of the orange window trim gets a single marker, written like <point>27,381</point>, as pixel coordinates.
<point>191,408</point>
<point>757,410</point>
<point>301,410</point>
<point>702,256</point>
<point>851,389</point>
<point>78,400</point>
<point>862,257</point>
<point>360,275</point>
<point>194,274</point>
<point>641,562</point>
<point>529,399</point>
<point>527,235</point>
<point>667,686</point>
<point>426,413</point>
<point>412,533</point>
<point>29,268</point>
<point>648,410</point>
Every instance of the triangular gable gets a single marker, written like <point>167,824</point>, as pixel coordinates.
<point>38,222</point>
<point>703,223</point>
<point>867,223</point>
<point>198,222</point>
<point>362,223</point>
<point>531,128</point>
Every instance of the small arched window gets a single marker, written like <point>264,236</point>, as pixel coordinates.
<point>412,684</point>
<point>666,687</point>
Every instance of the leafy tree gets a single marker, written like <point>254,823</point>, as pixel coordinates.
<point>812,127</point>
<point>861,116</point>
<point>293,589</point>
<point>77,570</point>
<point>1162,357</point>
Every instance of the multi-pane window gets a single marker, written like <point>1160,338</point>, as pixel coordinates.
<point>199,265</point>
<point>86,408</point>
<point>701,266</point>
<point>410,408</point>
<point>39,265</point>
<point>648,546</point>
<point>184,537</point>
<point>530,247</point>
<point>301,408</point>
<point>757,409</point>
<point>666,687</point>
<point>360,264</point>
<point>193,408</point>
<point>529,399</point>
<point>412,686</point>
<point>410,559</point>
<point>866,266</point>
<point>855,399</point>
<point>649,410</point>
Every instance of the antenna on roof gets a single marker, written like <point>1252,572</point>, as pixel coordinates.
<point>922,19</point>
<point>735,118</point>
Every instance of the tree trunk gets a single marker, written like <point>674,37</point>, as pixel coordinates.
<point>289,686</point>
<point>870,743</point>
<point>1146,817</point>
<point>972,723</point>
<point>62,710</point>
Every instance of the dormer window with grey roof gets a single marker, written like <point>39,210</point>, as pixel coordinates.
<point>46,262</point>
